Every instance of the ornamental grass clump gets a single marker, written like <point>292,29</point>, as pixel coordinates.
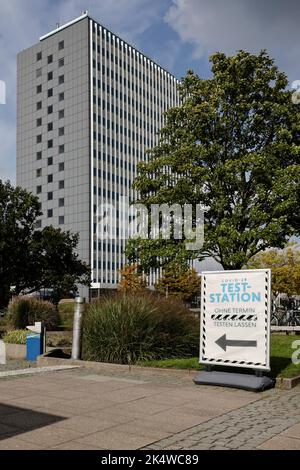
<point>24,311</point>
<point>129,328</point>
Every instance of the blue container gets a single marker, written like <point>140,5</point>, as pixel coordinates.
<point>34,346</point>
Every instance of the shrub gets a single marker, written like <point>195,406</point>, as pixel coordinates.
<point>131,328</point>
<point>25,311</point>
<point>15,336</point>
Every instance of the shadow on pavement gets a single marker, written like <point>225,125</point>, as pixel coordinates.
<point>15,420</point>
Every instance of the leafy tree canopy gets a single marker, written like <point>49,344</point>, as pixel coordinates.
<point>285,266</point>
<point>132,279</point>
<point>179,281</point>
<point>232,146</point>
<point>32,259</point>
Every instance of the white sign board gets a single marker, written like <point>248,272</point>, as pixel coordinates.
<point>235,318</point>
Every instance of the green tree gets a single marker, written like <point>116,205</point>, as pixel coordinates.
<point>132,279</point>
<point>179,281</point>
<point>285,267</point>
<point>32,259</point>
<point>232,146</point>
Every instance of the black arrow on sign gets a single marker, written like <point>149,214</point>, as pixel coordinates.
<point>223,342</point>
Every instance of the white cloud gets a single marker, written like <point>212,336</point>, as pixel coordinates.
<point>214,25</point>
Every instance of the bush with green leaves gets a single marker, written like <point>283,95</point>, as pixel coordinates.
<point>131,328</point>
<point>15,336</point>
<point>25,311</point>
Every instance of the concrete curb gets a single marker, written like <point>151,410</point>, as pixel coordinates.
<point>287,384</point>
<point>46,359</point>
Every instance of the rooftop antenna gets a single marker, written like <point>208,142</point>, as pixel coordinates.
<point>57,25</point>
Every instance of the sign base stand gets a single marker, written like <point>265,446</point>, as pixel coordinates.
<point>233,380</point>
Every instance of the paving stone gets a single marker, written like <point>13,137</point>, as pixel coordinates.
<point>250,426</point>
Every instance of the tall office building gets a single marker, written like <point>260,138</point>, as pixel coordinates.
<point>88,107</point>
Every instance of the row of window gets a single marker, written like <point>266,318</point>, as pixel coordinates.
<point>61,219</point>
<point>128,50</point>
<point>39,55</point>
<point>137,105</point>
<point>61,185</point>
<point>120,146</point>
<point>109,247</point>
<point>116,161</point>
<point>39,88</point>
<point>123,130</point>
<point>113,178</point>
<point>61,148</point>
<point>118,78</point>
<point>61,132</point>
<point>130,69</point>
<point>39,72</point>
<point>61,165</point>
<point>39,105</point>
<point>110,107</point>
<point>107,265</point>
<point>107,193</point>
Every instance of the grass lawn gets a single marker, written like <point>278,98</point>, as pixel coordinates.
<point>281,364</point>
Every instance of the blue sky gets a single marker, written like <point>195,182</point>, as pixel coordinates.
<point>178,34</point>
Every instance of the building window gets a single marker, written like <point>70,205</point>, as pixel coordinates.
<point>39,138</point>
<point>50,161</point>
<point>61,184</point>
<point>50,178</point>
<point>39,89</point>
<point>61,149</point>
<point>61,220</point>
<point>39,56</point>
<point>61,79</point>
<point>50,126</point>
<point>38,73</point>
<point>50,92</point>
<point>38,122</point>
<point>50,196</point>
<point>38,172</point>
<point>50,213</point>
<point>61,131</point>
<point>50,59</point>
<point>38,189</point>
<point>61,114</point>
<point>61,166</point>
<point>61,62</point>
<point>39,105</point>
<point>61,202</point>
<point>50,76</point>
<point>61,96</point>
<point>50,109</point>
<point>61,45</point>
<point>50,144</point>
<point>39,155</point>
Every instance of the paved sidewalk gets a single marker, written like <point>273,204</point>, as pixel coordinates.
<point>114,409</point>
